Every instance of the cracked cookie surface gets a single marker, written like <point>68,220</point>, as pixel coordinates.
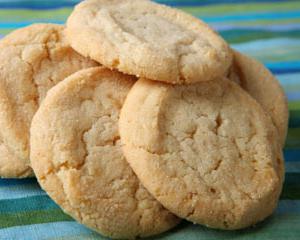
<point>149,40</point>
<point>207,151</point>
<point>32,60</point>
<point>76,155</point>
<point>262,85</point>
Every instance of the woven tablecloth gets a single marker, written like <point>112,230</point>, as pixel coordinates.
<point>267,30</point>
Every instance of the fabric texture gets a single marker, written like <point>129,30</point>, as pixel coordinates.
<point>268,30</point>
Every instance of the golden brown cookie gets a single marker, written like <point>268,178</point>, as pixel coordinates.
<point>32,60</point>
<point>208,151</point>
<point>77,158</point>
<point>260,83</point>
<point>146,39</point>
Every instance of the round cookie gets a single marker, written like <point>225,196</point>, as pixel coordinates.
<point>77,158</point>
<point>261,84</point>
<point>149,40</point>
<point>32,60</point>
<point>207,151</point>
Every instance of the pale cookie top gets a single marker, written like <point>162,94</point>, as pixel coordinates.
<point>206,151</point>
<point>150,40</point>
<point>32,60</point>
<point>259,82</point>
<point>76,155</point>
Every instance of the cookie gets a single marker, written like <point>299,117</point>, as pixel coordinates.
<point>32,60</point>
<point>150,40</point>
<point>208,151</point>
<point>77,158</point>
<point>259,82</point>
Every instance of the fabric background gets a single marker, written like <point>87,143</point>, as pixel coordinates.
<point>268,30</point>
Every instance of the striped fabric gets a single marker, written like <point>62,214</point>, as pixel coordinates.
<point>268,30</point>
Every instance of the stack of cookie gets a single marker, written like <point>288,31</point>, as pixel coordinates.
<point>137,115</point>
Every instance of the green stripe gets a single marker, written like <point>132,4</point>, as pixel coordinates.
<point>265,22</point>
<point>291,187</point>
<point>293,138</point>
<point>27,204</point>
<point>275,52</point>
<point>295,105</point>
<point>33,217</point>
<point>220,9</point>
<point>238,36</point>
<point>61,14</point>
<point>211,10</point>
<point>294,123</point>
<point>23,15</point>
<point>6,31</point>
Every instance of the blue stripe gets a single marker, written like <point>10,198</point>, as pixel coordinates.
<point>273,28</point>
<point>289,65</point>
<point>293,96</point>
<point>292,155</point>
<point>276,48</point>
<point>45,231</point>
<point>284,71</point>
<point>69,3</point>
<point>289,79</point>
<point>288,206</point>
<point>266,44</point>
<point>284,67</point>
<point>20,191</point>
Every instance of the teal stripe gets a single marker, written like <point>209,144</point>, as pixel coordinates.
<point>32,203</point>
<point>279,226</point>
<point>294,123</point>
<point>271,50</point>
<point>245,16</point>
<point>13,182</point>
<point>8,25</point>
<point>47,231</point>
<point>292,167</point>
<point>87,237</point>
<point>241,35</point>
